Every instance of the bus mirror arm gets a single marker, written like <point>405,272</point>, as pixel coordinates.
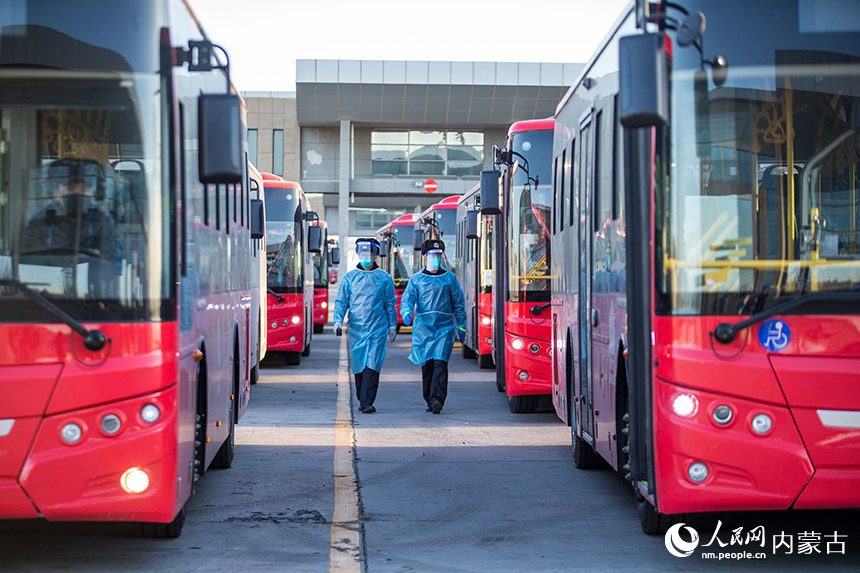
<point>276,295</point>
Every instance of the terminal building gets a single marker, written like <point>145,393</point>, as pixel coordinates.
<point>364,137</point>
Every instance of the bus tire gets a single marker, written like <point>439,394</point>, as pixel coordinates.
<point>652,521</point>
<point>307,350</point>
<point>584,457</point>
<point>318,328</point>
<point>292,358</point>
<point>170,530</point>
<point>468,352</point>
<point>224,458</point>
<point>526,404</point>
<point>485,361</point>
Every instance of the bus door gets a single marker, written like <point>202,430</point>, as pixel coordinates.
<point>585,194</point>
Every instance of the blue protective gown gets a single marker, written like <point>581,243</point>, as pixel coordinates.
<point>369,298</point>
<point>437,305</point>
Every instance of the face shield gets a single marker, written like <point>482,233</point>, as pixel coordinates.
<point>364,250</point>
<point>434,259</point>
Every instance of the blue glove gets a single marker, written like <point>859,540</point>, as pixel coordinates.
<point>461,334</point>
<point>407,317</point>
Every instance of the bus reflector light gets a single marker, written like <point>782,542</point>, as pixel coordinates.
<point>295,320</point>
<point>292,339</point>
<point>324,304</point>
<point>518,344</point>
<point>111,424</point>
<point>698,472</point>
<point>274,325</point>
<point>150,413</point>
<point>490,341</point>
<point>485,320</point>
<point>134,480</point>
<point>523,375</point>
<point>685,405</point>
<point>723,414</point>
<point>285,322</point>
<point>72,433</point>
<point>534,348</point>
<point>761,424</point>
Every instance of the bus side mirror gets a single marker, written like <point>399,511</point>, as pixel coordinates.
<point>417,239</point>
<point>855,114</point>
<point>643,80</point>
<point>220,138</point>
<point>334,256</point>
<point>490,192</point>
<point>472,224</point>
<point>314,239</point>
<point>384,247</point>
<point>258,219</point>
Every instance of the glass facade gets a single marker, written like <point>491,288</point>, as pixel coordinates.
<point>252,146</point>
<point>278,152</point>
<point>427,153</point>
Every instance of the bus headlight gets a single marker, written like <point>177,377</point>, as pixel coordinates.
<point>134,480</point>
<point>485,320</point>
<point>72,433</point>
<point>150,413</point>
<point>518,344</point>
<point>761,424</point>
<point>685,405</point>
<point>324,304</point>
<point>534,348</point>
<point>523,375</point>
<point>285,322</point>
<point>274,325</point>
<point>111,424</point>
<point>295,320</point>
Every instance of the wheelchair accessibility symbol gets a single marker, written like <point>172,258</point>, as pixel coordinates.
<point>774,335</point>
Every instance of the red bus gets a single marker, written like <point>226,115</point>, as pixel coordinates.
<point>438,221</point>
<point>124,263</point>
<point>395,239</point>
<point>707,260</point>
<point>521,293</point>
<point>475,240</point>
<point>329,255</point>
<point>290,274</point>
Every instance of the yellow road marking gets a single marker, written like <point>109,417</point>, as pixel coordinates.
<point>345,553</point>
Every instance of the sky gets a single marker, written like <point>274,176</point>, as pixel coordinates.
<point>264,38</point>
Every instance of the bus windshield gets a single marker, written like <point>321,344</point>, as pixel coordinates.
<point>283,240</point>
<point>401,252</point>
<point>528,218</point>
<point>763,197</point>
<point>82,216</point>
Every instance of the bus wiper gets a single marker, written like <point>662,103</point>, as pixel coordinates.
<point>277,296</point>
<point>93,339</point>
<point>725,332</point>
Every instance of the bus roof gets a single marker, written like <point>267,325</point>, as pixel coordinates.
<point>532,125</point>
<point>447,203</point>
<point>476,190</point>
<point>275,182</point>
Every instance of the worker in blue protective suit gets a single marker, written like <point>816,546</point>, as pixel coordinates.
<point>367,292</point>
<point>433,303</point>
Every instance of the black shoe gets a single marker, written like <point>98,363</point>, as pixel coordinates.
<point>361,408</point>
<point>429,409</point>
<point>368,409</point>
<point>437,407</point>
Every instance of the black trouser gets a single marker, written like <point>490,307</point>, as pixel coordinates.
<point>366,384</point>
<point>434,374</point>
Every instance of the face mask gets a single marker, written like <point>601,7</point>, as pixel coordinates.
<point>433,263</point>
<point>366,262</point>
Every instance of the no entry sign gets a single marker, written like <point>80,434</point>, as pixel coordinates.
<point>430,185</point>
